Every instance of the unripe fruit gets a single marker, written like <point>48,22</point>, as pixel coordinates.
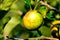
<point>32,19</point>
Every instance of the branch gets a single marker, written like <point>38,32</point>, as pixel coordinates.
<point>50,7</point>
<point>39,38</point>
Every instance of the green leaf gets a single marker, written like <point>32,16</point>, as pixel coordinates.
<point>1,26</point>
<point>16,32</point>
<point>6,4</point>
<point>24,35</point>
<point>20,32</point>
<point>5,19</point>
<point>53,3</point>
<point>27,2</point>
<point>42,9</point>
<point>45,31</point>
<point>14,6</point>
<point>19,5</point>
<point>57,16</point>
<point>1,35</point>
<point>35,34</point>
<point>50,15</point>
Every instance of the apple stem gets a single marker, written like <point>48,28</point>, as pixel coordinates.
<point>30,6</point>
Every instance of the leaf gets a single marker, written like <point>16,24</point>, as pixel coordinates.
<point>14,6</point>
<point>7,4</point>
<point>1,28</point>
<point>24,35</point>
<point>27,4</point>
<point>1,35</point>
<point>17,31</point>
<point>20,32</point>
<point>57,16</point>
<point>5,20</point>
<point>35,34</point>
<point>19,5</point>
<point>53,3</point>
<point>43,10</point>
<point>50,15</point>
<point>45,31</point>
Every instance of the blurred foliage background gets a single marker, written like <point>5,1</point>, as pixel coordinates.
<point>12,12</point>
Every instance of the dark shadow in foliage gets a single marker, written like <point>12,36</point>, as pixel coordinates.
<point>54,34</point>
<point>2,13</point>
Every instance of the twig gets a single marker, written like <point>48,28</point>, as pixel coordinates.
<point>37,38</point>
<point>50,7</point>
<point>37,3</point>
<point>44,38</point>
<point>43,3</point>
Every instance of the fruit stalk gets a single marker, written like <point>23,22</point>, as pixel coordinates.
<point>37,3</point>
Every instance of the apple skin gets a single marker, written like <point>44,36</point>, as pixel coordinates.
<point>32,19</point>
